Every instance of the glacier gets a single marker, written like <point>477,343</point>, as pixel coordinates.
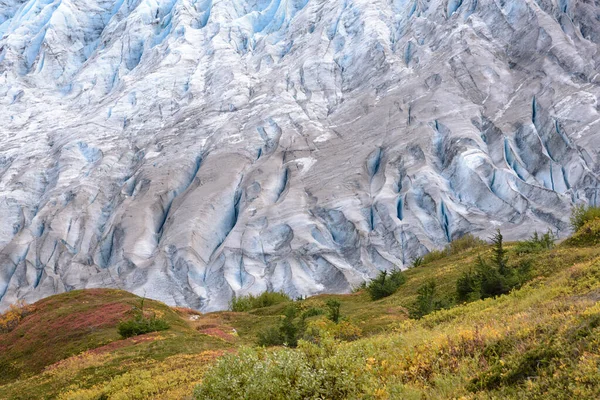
<point>193,150</point>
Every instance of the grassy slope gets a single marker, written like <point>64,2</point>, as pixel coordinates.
<point>79,328</point>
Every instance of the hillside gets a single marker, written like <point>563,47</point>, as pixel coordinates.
<point>540,340</point>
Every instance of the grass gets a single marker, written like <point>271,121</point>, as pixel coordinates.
<point>587,235</point>
<point>77,333</point>
<point>538,341</point>
<point>251,302</point>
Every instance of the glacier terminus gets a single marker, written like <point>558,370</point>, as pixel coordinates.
<point>193,150</point>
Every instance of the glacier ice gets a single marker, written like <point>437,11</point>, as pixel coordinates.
<point>191,150</point>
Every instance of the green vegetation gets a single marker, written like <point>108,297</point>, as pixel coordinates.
<point>385,284</point>
<point>496,277</point>
<point>140,325</point>
<point>540,341</point>
<point>490,321</point>
<point>417,262</point>
<point>580,215</point>
<point>69,345</point>
<point>588,235</point>
<point>462,244</point>
<point>250,302</point>
<point>426,301</point>
<point>536,243</point>
<point>11,318</point>
<point>289,331</point>
<point>142,322</point>
<point>334,310</point>
<point>295,323</point>
<point>311,372</point>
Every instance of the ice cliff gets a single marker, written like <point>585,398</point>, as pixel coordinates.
<point>195,149</point>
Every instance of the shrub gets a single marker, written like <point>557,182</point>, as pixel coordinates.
<point>587,235</point>
<point>359,288</point>
<point>385,284</point>
<point>494,278</point>
<point>467,288</point>
<point>465,242</point>
<point>489,279</point>
<point>536,243</point>
<point>499,257</point>
<point>426,301</point>
<point>15,313</point>
<point>435,255</point>
<point>270,337</point>
<point>290,329</point>
<point>311,372</point>
<point>256,374</point>
<point>417,262</point>
<point>334,310</point>
<point>251,302</point>
<point>140,325</point>
<point>294,326</point>
<point>313,312</point>
<point>142,322</point>
<point>581,214</point>
<point>319,330</point>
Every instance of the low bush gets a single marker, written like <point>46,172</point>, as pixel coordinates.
<point>519,369</point>
<point>313,312</point>
<point>385,284</point>
<point>295,326</point>
<point>464,243</point>
<point>536,243</point>
<point>435,255</point>
<point>582,214</point>
<point>417,262</point>
<point>426,301</point>
<point>15,313</point>
<point>323,329</point>
<point>311,372</point>
<point>334,314</point>
<point>493,278</point>
<point>251,302</point>
<point>587,235</point>
<point>290,329</point>
<point>141,324</point>
<point>270,337</point>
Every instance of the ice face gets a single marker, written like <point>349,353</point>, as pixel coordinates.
<point>190,150</point>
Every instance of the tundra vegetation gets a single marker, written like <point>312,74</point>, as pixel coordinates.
<point>495,320</point>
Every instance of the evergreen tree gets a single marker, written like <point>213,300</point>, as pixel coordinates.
<point>467,287</point>
<point>499,256</point>
<point>425,302</point>
<point>385,284</point>
<point>334,310</point>
<point>288,329</point>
